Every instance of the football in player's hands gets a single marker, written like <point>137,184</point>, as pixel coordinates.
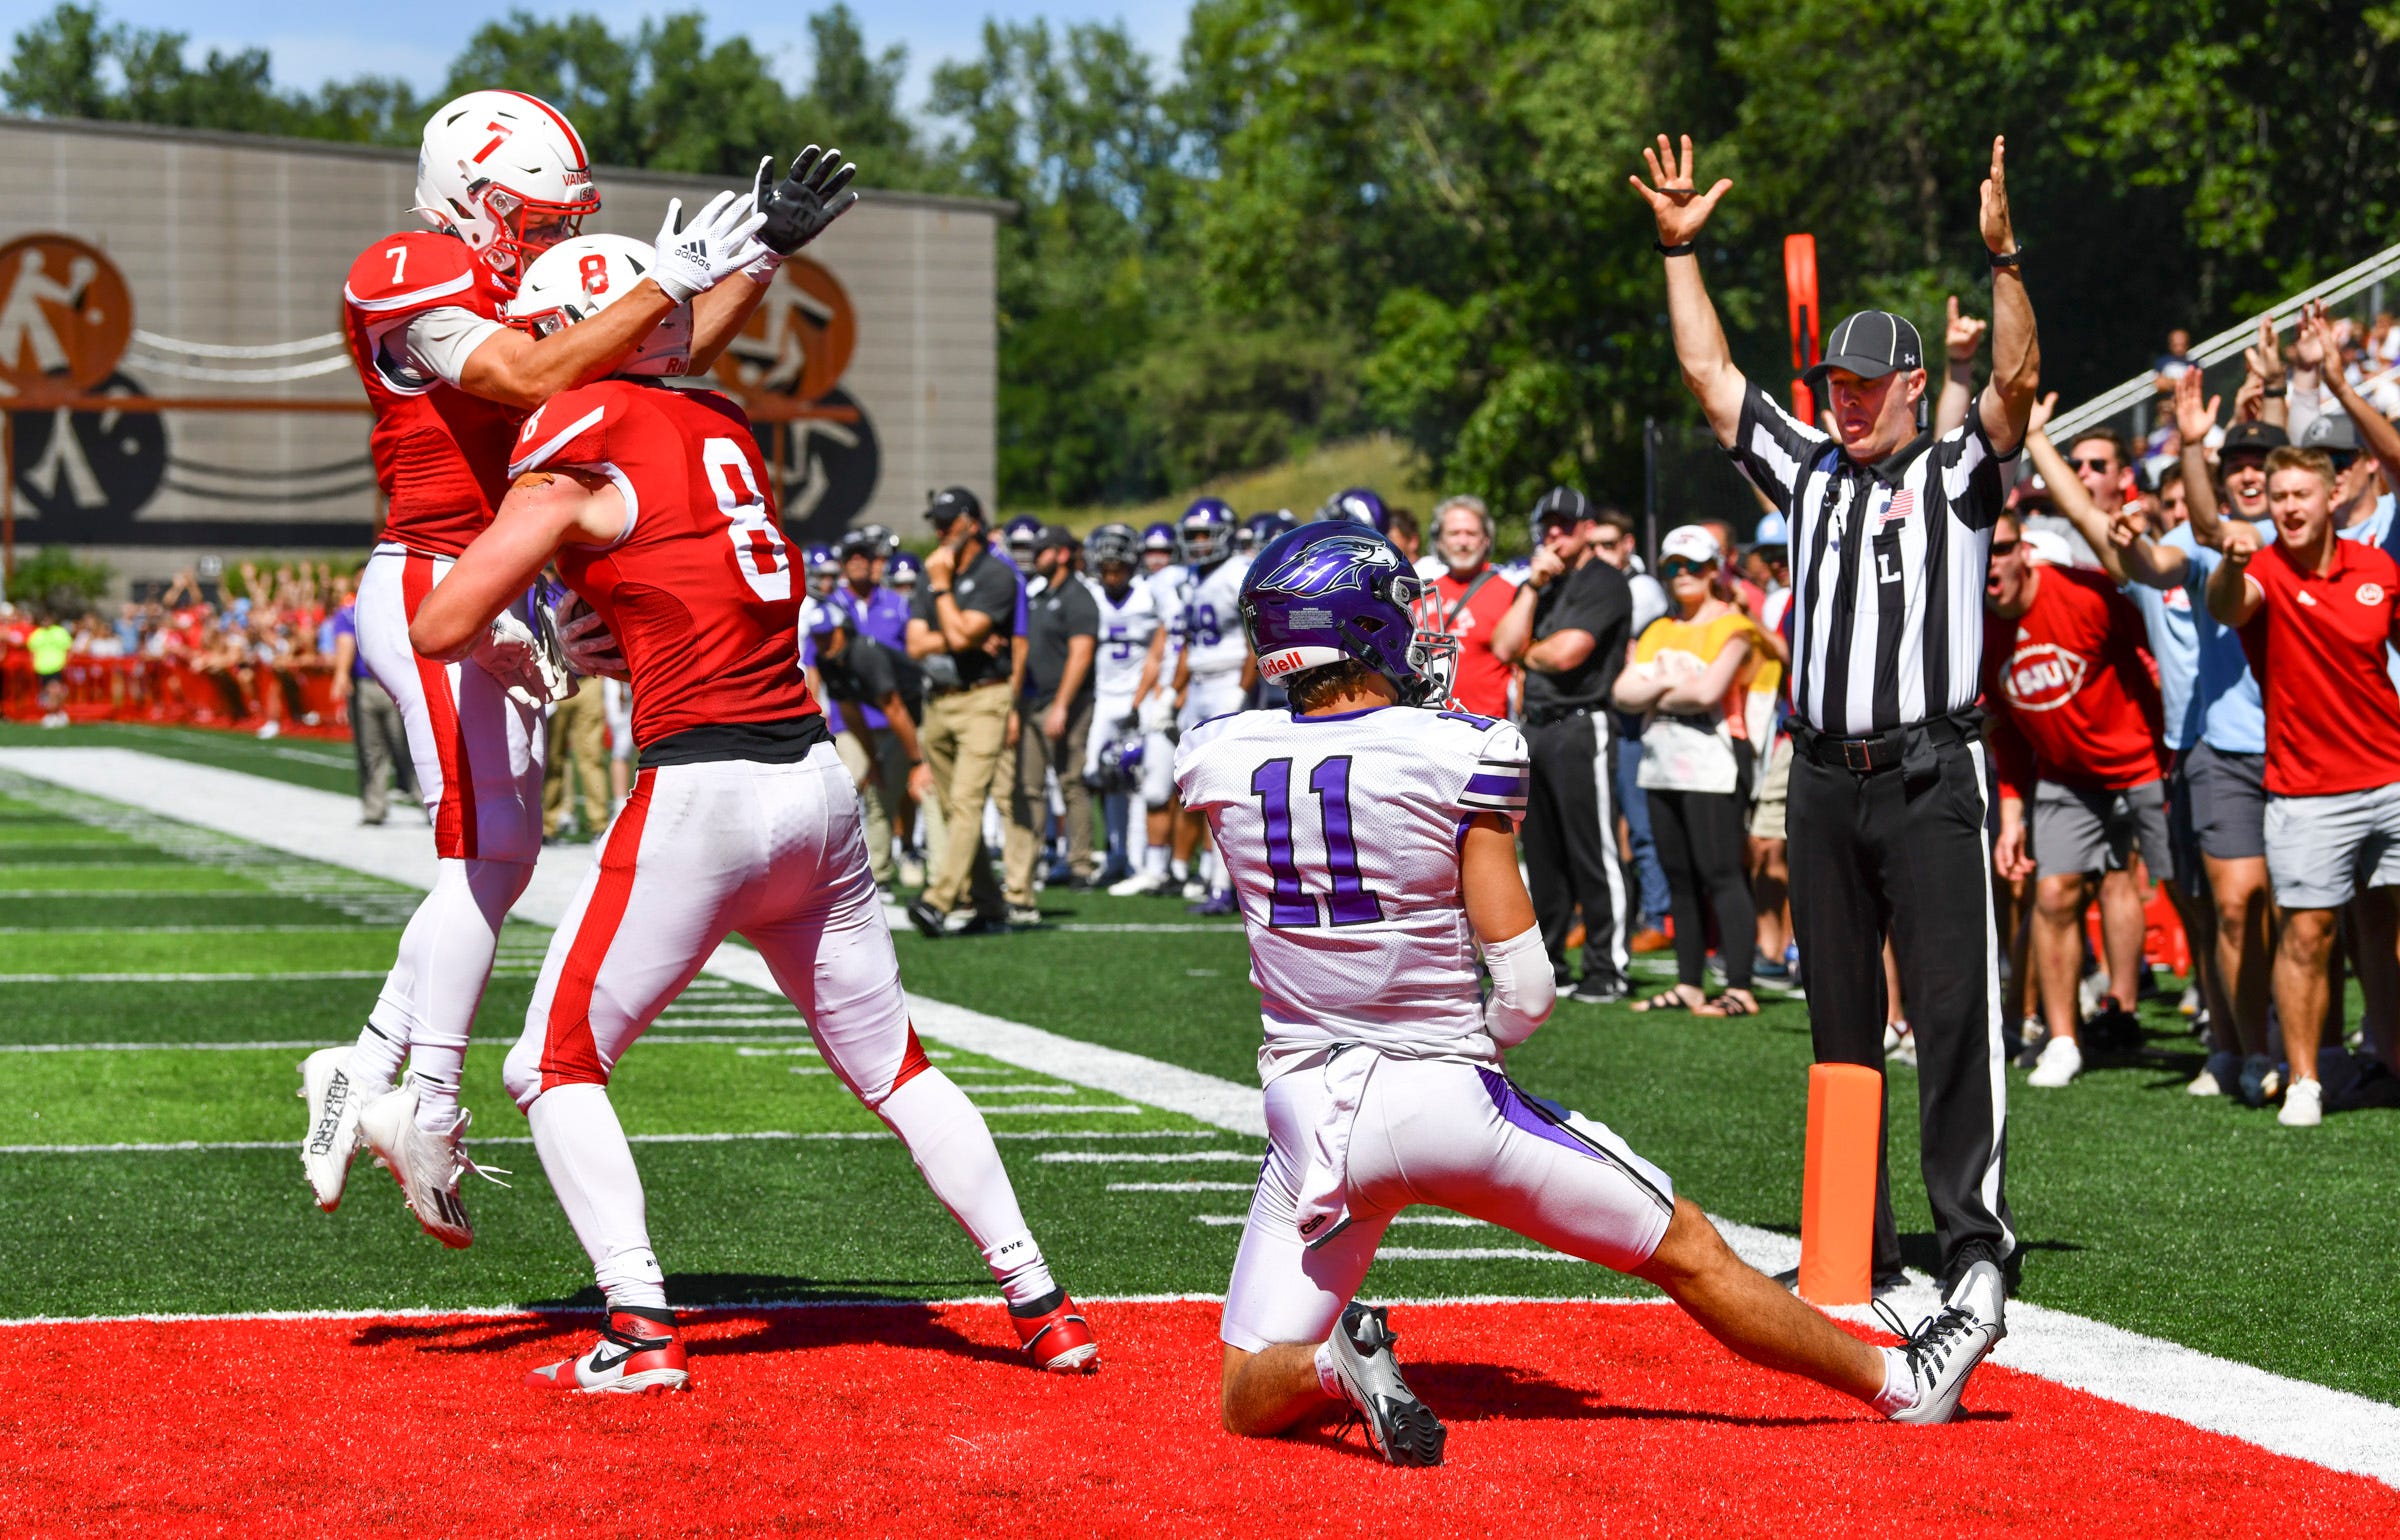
<point>590,647</point>
<point>812,195</point>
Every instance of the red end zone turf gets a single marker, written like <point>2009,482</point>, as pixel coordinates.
<point>1569,1419</point>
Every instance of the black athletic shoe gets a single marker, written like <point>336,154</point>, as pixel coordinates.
<point>1402,1428</point>
<point>927,919</point>
<point>1600,991</point>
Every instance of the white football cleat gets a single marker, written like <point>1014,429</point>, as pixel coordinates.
<point>1142,885</point>
<point>1402,1428</point>
<point>2060,1063</point>
<point>1943,1351</point>
<point>426,1165</point>
<point>332,1141</point>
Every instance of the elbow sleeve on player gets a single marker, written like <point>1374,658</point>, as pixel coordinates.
<point>1523,987</point>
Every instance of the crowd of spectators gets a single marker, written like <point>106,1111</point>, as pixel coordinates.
<point>256,633</point>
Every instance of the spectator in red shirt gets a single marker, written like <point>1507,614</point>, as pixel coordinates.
<point>2077,721</point>
<point>2315,614</point>
<point>1467,600</point>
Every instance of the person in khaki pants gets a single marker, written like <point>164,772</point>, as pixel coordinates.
<point>578,742</point>
<point>1054,713</point>
<point>961,627</point>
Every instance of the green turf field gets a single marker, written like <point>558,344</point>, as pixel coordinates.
<point>138,958</point>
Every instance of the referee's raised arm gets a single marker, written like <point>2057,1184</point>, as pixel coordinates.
<point>1681,209</point>
<point>2007,402</point>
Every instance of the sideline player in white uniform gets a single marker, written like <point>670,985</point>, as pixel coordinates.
<point>1126,667</point>
<point>1212,668</point>
<point>501,176</point>
<point>1374,850</point>
<point>743,819</point>
<point>1168,583</point>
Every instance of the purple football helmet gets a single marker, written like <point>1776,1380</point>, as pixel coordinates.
<point>1359,505</point>
<point>1337,592</point>
<point>1120,767</point>
<point>1207,532</point>
<point>903,570</point>
<point>1261,528</point>
<point>1022,534</point>
<point>824,570</point>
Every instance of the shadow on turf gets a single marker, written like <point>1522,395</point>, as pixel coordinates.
<point>786,1315</point>
<point>1460,1392</point>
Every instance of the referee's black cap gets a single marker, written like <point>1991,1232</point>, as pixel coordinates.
<point>1561,505</point>
<point>951,504</point>
<point>1870,344</point>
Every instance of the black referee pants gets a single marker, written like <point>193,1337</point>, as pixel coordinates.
<point>1875,854</point>
<point>1570,837</point>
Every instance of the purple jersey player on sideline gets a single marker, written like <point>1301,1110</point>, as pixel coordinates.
<point>1373,852</point>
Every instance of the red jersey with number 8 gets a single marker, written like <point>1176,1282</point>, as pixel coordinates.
<point>441,455</point>
<point>698,591</point>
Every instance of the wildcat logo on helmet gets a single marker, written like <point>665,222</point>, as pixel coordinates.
<point>1330,566</point>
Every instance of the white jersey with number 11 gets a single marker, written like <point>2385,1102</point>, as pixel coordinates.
<point>1342,835</point>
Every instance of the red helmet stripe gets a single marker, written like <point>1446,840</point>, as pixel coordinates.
<point>582,159</point>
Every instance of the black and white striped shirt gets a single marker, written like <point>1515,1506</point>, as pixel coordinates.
<point>1888,565</point>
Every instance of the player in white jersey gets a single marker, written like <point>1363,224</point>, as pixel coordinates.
<point>1125,673</point>
<point>1169,585</point>
<point>1373,849</point>
<point>1212,668</point>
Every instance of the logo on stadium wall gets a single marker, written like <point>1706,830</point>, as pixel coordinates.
<point>788,363</point>
<point>2043,677</point>
<point>66,316</point>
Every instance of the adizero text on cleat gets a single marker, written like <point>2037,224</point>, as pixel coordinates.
<point>638,1353</point>
<point>1401,1427</point>
<point>331,1141</point>
<point>1056,1336</point>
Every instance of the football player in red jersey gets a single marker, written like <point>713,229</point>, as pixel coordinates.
<point>501,176</point>
<point>653,502</point>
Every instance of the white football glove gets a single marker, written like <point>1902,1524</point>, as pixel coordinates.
<point>1157,713</point>
<point>590,648</point>
<point>511,653</point>
<point>716,247</point>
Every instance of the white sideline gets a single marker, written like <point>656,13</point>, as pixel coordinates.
<point>2327,1427</point>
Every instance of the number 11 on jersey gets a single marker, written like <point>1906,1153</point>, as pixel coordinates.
<point>1349,903</point>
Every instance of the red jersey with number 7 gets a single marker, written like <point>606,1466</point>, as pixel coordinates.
<point>698,590</point>
<point>440,454</point>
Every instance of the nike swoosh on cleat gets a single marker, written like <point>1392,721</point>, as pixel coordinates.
<point>601,1365</point>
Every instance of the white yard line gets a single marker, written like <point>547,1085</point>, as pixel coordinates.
<point>2292,1417</point>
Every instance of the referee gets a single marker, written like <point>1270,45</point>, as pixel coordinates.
<point>1890,534</point>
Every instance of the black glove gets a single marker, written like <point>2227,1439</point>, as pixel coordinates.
<point>815,194</point>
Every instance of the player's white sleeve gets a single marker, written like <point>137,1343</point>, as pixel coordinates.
<point>1502,776</point>
<point>1524,987</point>
<point>436,344</point>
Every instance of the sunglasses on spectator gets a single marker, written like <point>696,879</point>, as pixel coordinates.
<point>1678,566</point>
<point>2101,466</point>
<point>2005,547</point>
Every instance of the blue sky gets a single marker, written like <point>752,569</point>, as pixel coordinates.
<point>418,38</point>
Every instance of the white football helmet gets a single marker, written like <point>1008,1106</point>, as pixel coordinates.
<point>578,278</point>
<point>505,172</point>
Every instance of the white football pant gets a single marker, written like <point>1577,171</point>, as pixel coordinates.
<point>1445,1132</point>
<point>478,756</point>
<point>778,855</point>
